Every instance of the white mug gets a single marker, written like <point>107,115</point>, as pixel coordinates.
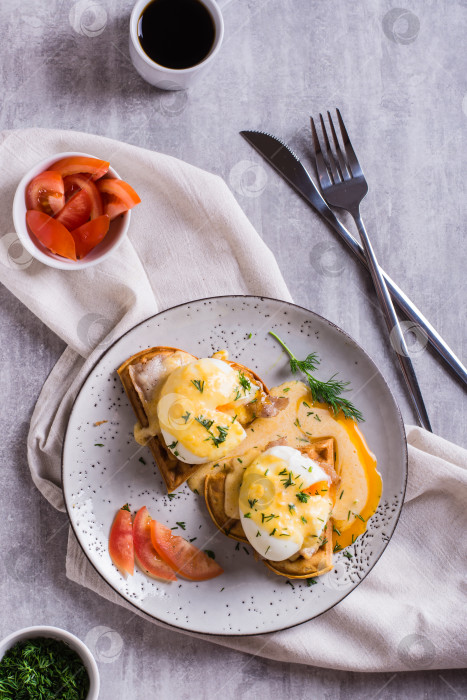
<point>171,78</point>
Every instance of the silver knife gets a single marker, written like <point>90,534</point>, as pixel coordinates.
<point>287,164</point>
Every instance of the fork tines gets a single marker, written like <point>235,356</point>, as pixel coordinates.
<point>333,166</point>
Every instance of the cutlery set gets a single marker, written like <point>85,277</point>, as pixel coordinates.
<point>343,185</point>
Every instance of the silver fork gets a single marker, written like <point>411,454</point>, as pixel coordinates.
<point>344,185</point>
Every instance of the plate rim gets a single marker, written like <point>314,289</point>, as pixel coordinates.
<point>181,628</point>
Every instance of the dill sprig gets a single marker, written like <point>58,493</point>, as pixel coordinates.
<point>323,392</point>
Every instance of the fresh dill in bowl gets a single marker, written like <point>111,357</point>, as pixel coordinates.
<point>42,669</point>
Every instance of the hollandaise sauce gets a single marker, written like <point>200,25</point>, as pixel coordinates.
<point>359,490</point>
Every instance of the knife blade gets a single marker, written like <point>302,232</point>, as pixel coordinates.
<point>288,165</point>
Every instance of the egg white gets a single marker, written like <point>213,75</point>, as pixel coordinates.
<point>183,453</point>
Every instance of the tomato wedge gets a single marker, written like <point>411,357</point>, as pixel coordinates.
<point>89,235</point>
<point>46,192</point>
<point>51,233</point>
<point>84,182</point>
<point>121,547</point>
<point>186,559</point>
<point>119,196</point>
<point>76,211</point>
<point>145,555</point>
<point>81,164</point>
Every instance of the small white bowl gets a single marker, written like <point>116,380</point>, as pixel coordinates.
<point>115,235</point>
<point>64,636</point>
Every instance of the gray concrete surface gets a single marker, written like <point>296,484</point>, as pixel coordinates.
<point>399,78</point>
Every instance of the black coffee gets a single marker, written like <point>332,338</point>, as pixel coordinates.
<point>176,33</point>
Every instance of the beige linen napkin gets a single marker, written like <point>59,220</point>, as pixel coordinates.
<point>408,613</point>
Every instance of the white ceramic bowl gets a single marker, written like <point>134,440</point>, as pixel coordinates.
<point>115,235</point>
<point>64,636</point>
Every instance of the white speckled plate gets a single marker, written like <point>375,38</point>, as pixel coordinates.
<point>103,467</point>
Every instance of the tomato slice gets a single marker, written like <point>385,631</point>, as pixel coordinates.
<point>51,233</point>
<point>84,182</point>
<point>145,555</point>
<point>46,192</point>
<point>121,548</point>
<point>81,164</point>
<point>89,235</point>
<point>119,196</point>
<point>76,211</point>
<point>186,559</point>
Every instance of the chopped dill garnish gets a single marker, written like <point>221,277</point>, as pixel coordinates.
<point>288,482</point>
<point>252,502</point>
<point>267,518</point>
<point>222,435</point>
<point>198,384</point>
<point>42,668</point>
<point>244,382</point>
<point>303,497</point>
<point>186,415</point>
<point>205,422</point>
<point>182,525</point>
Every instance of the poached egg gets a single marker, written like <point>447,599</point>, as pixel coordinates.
<point>284,503</point>
<point>197,410</point>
